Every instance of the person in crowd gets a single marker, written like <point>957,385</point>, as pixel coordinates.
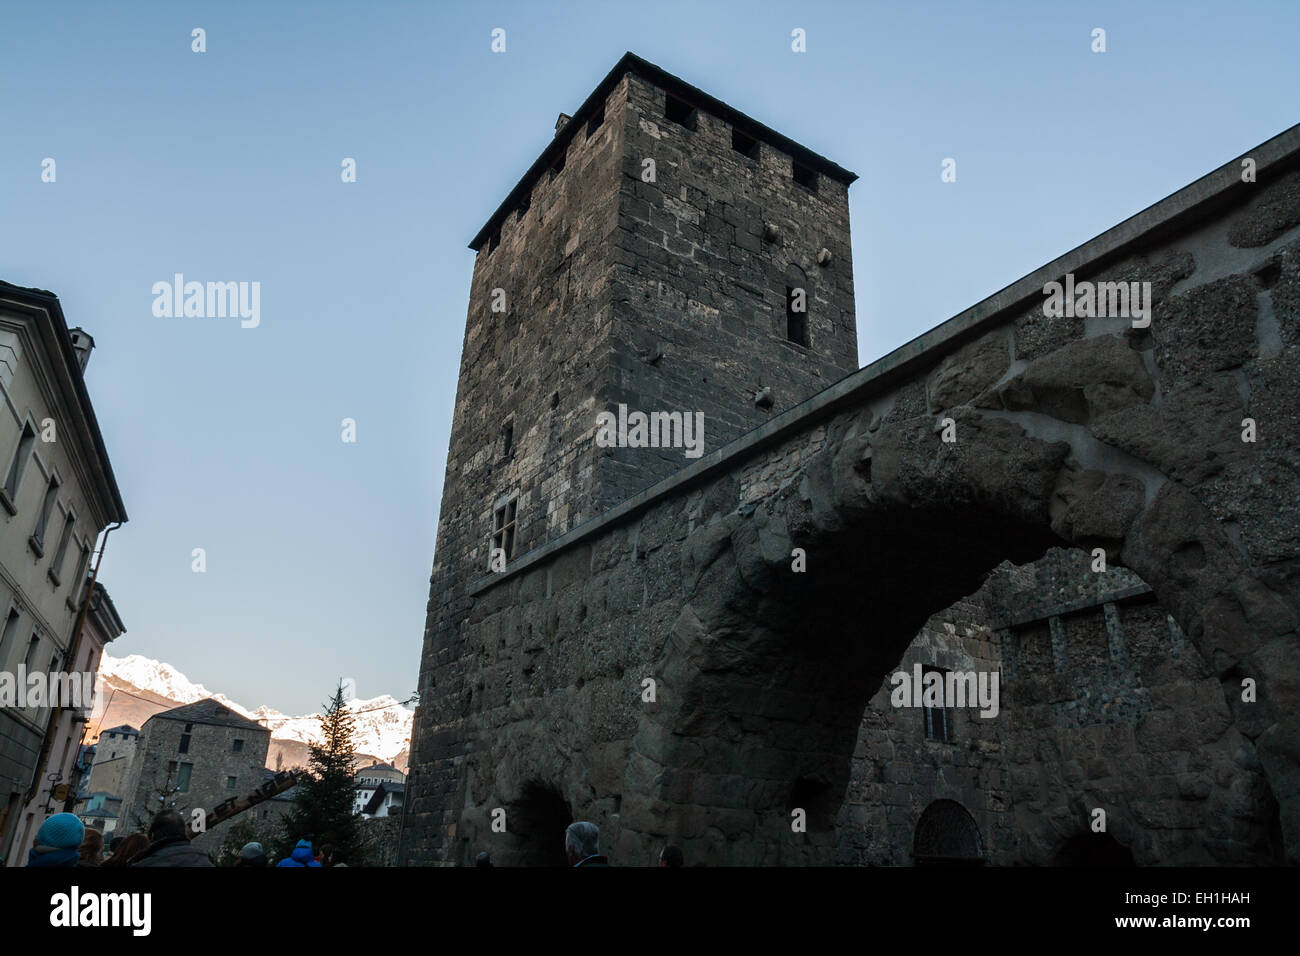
<point>125,849</point>
<point>484,859</point>
<point>251,855</point>
<point>58,841</point>
<point>169,845</point>
<point>672,856</point>
<point>301,856</point>
<point>582,845</point>
<point>92,848</point>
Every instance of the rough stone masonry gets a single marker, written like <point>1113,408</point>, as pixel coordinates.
<point>690,651</point>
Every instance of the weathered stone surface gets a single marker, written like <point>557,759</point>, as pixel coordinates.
<point>1082,379</point>
<point>1269,214</point>
<point>1208,329</point>
<point>969,371</point>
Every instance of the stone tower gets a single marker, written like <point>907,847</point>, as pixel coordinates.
<point>667,254</point>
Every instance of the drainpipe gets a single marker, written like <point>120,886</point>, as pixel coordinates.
<point>48,742</point>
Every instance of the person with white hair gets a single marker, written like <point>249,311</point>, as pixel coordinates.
<point>582,845</point>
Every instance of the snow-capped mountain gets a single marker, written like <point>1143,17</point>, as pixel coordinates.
<point>383,725</point>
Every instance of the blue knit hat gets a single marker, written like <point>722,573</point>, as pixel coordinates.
<point>62,831</point>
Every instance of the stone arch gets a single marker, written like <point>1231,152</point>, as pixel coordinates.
<point>766,671</point>
<point>946,833</point>
<point>536,820</point>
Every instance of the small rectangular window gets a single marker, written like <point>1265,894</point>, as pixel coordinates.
<point>679,111</point>
<point>805,177</point>
<point>47,507</point>
<point>507,439</point>
<point>61,553</point>
<point>796,315</point>
<point>597,118</point>
<point>183,777</point>
<point>230,783</point>
<point>7,636</point>
<point>744,144</point>
<point>503,530</point>
<point>29,659</point>
<point>185,744</point>
<point>938,720</point>
<point>80,582</point>
<point>237,746</point>
<point>18,466</point>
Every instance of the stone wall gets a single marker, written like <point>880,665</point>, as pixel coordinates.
<point>211,753</point>
<point>769,589</point>
<point>1097,692</point>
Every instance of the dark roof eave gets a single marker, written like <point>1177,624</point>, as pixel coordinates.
<point>631,63</point>
<point>50,302</point>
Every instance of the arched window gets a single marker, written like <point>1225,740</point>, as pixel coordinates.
<point>947,834</point>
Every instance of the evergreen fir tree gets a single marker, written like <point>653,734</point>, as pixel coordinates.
<point>323,799</point>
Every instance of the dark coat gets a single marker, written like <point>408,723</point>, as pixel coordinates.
<point>175,851</point>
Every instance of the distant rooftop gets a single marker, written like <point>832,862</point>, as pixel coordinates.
<point>209,711</point>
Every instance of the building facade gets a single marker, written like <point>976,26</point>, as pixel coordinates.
<point>191,757</point>
<point>57,494</point>
<point>67,762</point>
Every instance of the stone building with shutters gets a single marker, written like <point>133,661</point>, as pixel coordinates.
<point>205,752</point>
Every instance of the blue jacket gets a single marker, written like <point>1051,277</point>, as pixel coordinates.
<point>301,856</point>
<point>49,856</point>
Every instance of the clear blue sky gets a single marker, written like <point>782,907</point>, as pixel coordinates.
<point>225,166</point>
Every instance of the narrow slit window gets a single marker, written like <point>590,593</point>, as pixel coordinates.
<point>805,177</point>
<point>796,315</point>
<point>507,439</point>
<point>679,111</point>
<point>744,144</point>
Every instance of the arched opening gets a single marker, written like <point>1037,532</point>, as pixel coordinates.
<point>1093,849</point>
<point>772,662</point>
<point>536,822</point>
<point>946,835</point>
